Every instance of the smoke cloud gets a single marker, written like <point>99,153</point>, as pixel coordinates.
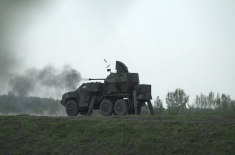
<point>16,17</point>
<point>49,78</point>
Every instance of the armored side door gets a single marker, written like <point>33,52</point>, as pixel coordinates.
<point>83,95</point>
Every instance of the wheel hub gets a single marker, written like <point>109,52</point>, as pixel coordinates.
<point>106,107</point>
<point>119,107</point>
<point>71,108</point>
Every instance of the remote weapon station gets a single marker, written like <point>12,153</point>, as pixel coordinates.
<point>120,94</point>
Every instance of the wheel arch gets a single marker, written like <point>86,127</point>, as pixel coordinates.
<point>70,98</point>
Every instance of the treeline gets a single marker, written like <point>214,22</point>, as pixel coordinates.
<point>178,104</point>
<point>10,105</point>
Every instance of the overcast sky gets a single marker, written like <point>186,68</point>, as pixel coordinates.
<point>187,44</point>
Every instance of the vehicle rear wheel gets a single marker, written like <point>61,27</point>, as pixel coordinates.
<point>72,108</point>
<point>120,107</point>
<point>106,107</point>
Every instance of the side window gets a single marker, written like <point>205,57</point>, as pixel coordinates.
<point>112,75</point>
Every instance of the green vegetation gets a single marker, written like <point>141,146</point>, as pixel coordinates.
<point>10,104</point>
<point>204,127</point>
<point>176,101</point>
<point>177,104</point>
<point>117,135</point>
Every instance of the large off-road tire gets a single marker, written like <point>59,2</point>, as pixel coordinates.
<point>106,107</point>
<point>72,108</point>
<point>120,107</point>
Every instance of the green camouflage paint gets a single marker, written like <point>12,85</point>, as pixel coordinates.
<point>121,84</point>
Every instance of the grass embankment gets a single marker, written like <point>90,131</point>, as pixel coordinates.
<point>117,135</point>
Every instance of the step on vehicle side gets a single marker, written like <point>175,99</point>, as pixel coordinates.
<point>120,94</point>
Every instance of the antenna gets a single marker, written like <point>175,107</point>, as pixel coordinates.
<point>109,70</point>
<point>107,66</point>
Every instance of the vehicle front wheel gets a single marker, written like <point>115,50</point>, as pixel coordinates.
<point>106,107</point>
<point>72,108</point>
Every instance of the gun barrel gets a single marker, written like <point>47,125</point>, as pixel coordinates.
<point>96,79</point>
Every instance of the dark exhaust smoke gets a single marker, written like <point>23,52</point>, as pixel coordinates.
<point>16,17</point>
<point>48,78</point>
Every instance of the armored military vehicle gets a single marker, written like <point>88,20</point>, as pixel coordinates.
<point>119,94</point>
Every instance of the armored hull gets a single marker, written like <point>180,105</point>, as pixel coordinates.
<point>120,94</point>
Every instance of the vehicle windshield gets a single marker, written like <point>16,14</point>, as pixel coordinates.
<point>112,75</point>
<point>83,86</point>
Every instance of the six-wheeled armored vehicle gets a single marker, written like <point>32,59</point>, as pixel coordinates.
<point>120,94</point>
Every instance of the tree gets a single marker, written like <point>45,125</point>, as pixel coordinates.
<point>225,102</point>
<point>205,102</point>
<point>158,105</point>
<point>212,102</point>
<point>176,101</point>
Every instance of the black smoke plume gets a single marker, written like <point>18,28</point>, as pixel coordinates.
<point>16,17</point>
<point>48,78</point>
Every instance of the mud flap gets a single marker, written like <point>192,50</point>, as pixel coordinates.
<point>91,105</point>
<point>150,107</point>
<point>135,99</point>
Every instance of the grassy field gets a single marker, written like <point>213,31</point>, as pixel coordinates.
<point>117,135</point>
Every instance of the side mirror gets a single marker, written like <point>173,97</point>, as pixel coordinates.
<point>108,70</point>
